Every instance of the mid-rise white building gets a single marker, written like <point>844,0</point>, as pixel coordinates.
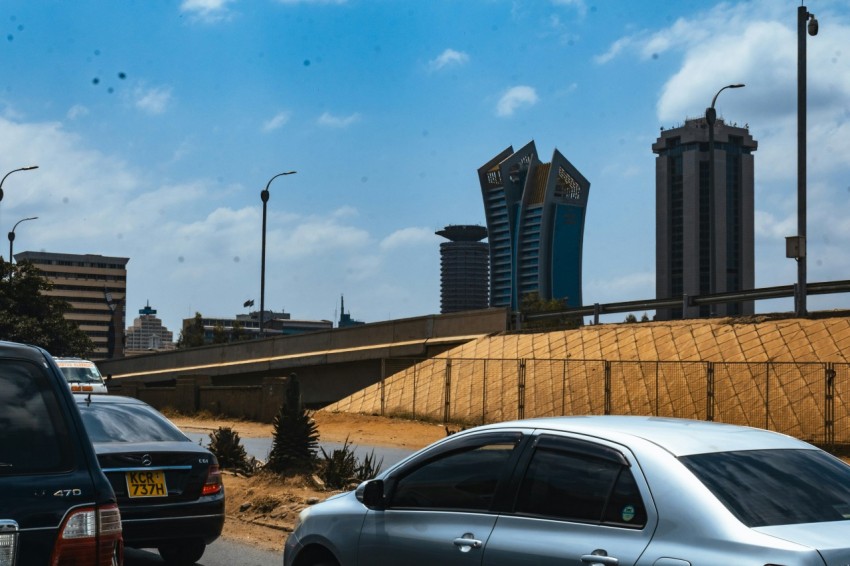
<point>148,334</point>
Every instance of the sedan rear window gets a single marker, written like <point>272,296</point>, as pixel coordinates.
<point>114,422</point>
<point>776,487</point>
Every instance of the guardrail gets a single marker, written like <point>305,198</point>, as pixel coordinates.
<point>595,310</point>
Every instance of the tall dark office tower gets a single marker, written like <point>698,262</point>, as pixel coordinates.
<point>463,269</point>
<point>683,235</point>
<point>535,220</point>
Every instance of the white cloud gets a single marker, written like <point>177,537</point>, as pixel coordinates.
<point>449,57</point>
<point>515,98</point>
<point>315,236</point>
<point>276,122</point>
<point>409,237</point>
<point>208,11</point>
<point>152,100</point>
<point>616,48</point>
<point>579,5</point>
<point>77,111</point>
<point>331,121</point>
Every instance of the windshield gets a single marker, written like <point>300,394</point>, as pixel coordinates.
<point>776,487</point>
<point>112,422</point>
<point>81,372</point>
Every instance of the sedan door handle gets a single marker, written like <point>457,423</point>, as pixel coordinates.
<point>599,558</point>
<point>467,543</point>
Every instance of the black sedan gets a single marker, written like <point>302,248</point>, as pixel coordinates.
<point>169,489</point>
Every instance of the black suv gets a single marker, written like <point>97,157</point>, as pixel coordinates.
<point>56,506</point>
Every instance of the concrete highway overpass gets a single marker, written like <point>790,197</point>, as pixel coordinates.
<point>330,364</point>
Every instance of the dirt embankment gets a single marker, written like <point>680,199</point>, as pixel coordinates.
<point>261,510</point>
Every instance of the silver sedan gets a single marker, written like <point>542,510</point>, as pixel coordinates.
<point>591,491</point>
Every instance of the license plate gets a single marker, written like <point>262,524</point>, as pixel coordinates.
<point>149,483</point>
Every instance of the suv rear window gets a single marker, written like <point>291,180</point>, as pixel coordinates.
<point>33,437</point>
<point>776,487</point>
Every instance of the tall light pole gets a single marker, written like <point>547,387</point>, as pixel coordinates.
<point>805,19</point>
<point>28,168</point>
<point>264,196</point>
<point>12,236</point>
<point>710,118</point>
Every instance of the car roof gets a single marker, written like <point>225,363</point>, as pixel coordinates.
<point>13,349</point>
<point>83,399</point>
<point>680,437</point>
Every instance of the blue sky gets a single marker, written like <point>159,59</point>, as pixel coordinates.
<point>156,124</point>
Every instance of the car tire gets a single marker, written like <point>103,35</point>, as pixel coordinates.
<point>182,552</point>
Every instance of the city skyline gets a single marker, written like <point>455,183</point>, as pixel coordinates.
<point>155,127</point>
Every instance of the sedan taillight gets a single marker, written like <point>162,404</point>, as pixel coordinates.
<point>213,484</point>
<point>90,535</point>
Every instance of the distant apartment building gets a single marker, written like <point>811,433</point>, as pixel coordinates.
<point>535,224</point>
<point>148,334</point>
<point>248,325</point>
<point>683,243</point>
<point>96,288</point>
<point>464,269</point>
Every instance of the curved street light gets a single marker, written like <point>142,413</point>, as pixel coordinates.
<point>12,236</point>
<point>264,196</point>
<point>710,118</point>
<point>28,168</point>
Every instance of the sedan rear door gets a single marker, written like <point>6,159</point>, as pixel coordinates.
<point>579,503</point>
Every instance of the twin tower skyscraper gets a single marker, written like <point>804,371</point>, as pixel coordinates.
<point>535,215</point>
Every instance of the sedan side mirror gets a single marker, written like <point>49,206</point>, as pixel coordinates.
<point>371,494</point>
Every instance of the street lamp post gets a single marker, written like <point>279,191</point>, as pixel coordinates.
<point>12,236</point>
<point>264,196</point>
<point>28,168</point>
<point>805,19</point>
<point>710,118</point>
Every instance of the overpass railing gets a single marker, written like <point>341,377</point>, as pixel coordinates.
<point>595,310</point>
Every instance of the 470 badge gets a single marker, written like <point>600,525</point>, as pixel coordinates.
<point>147,483</point>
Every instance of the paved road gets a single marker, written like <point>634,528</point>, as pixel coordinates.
<point>222,552</point>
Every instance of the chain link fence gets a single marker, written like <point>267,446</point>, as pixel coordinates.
<point>805,400</point>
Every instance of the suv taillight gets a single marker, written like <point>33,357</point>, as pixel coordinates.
<point>213,484</point>
<point>8,542</point>
<point>90,535</point>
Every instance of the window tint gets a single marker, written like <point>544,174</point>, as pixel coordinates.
<point>625,506</point>
<point>114,422</point>
<point>580,486</point>
<point>33,436</point>
<point>465,479</point>
<point>776,487</point>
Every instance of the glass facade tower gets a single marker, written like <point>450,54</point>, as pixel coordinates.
<point>535,223</point>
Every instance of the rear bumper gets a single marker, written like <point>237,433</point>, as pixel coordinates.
<point>150,526</point>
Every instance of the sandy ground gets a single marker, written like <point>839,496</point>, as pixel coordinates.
<point>261,510</point>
